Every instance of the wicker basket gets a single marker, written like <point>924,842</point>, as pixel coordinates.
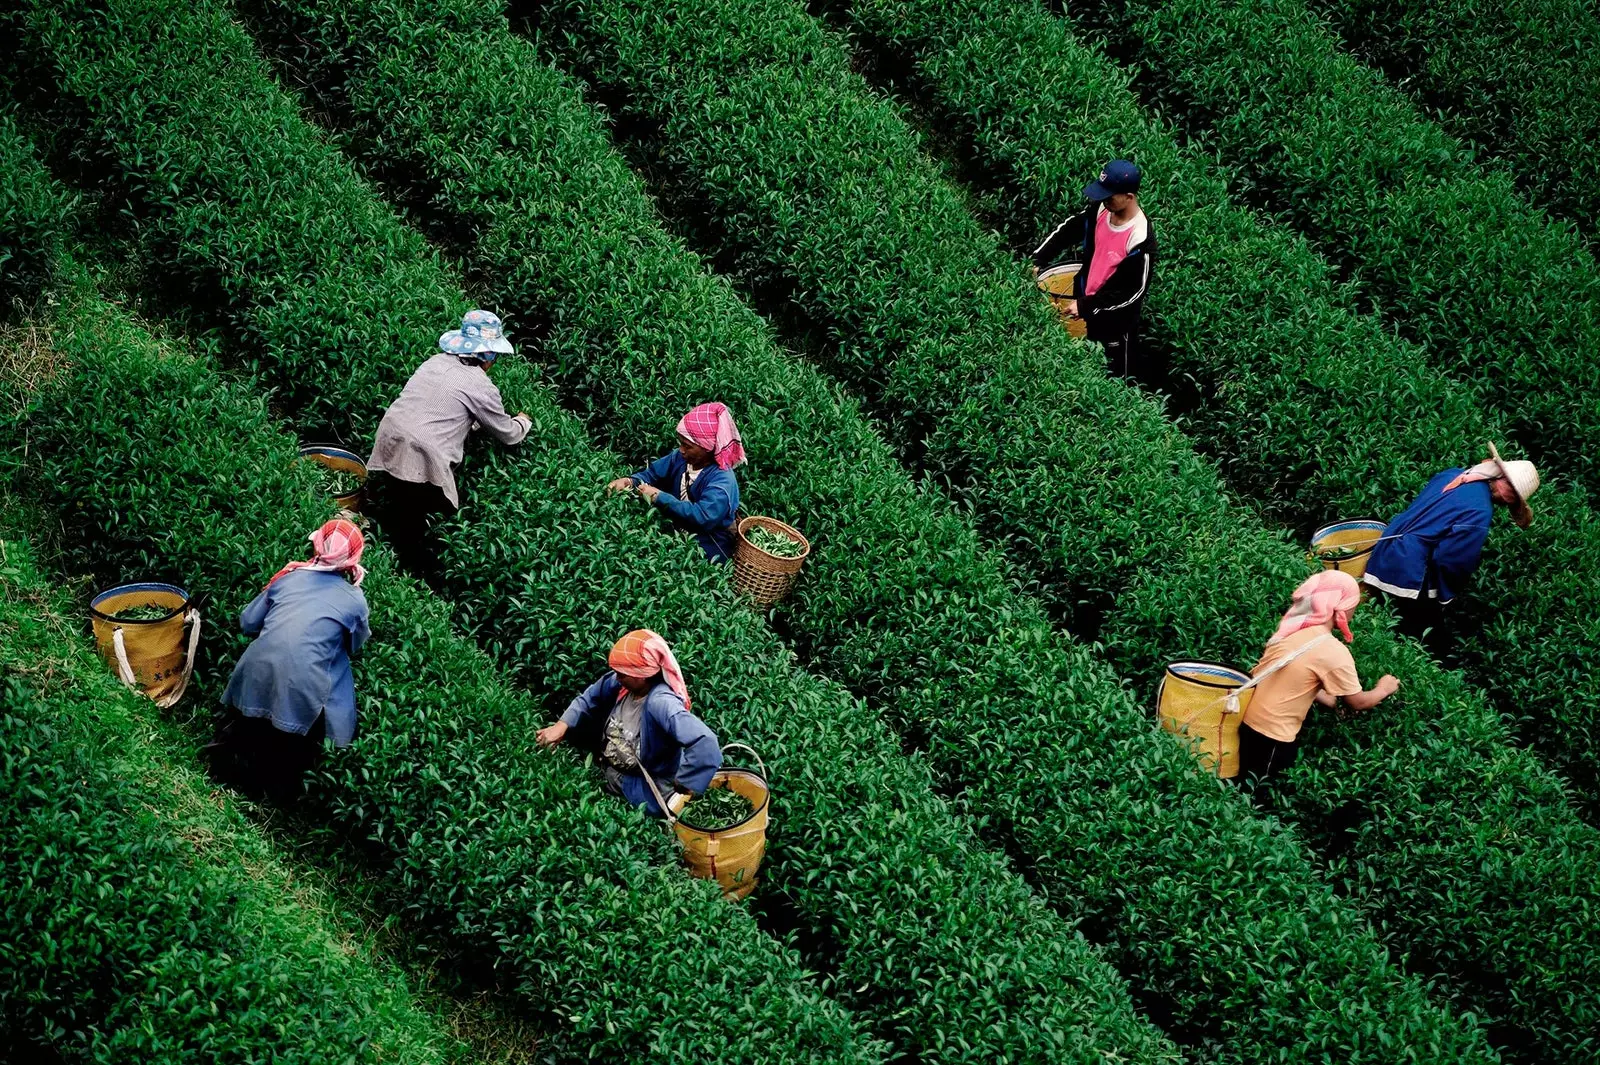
<point>761,575</point>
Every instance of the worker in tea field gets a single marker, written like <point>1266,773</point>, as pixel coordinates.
<point>637,719</point>
<point>424,433</point>
<point>1303,664</point>
<point>695,484</point>
<point>292,686</point>
<point>1113,241</point>
<point>1431,548</point>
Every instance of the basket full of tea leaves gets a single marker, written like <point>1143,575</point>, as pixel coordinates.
<point>767,559</point>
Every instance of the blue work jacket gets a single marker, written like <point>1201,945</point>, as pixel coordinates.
<point>708,512</point>
<point>675,746</point>
<point>306,626</point>
<point>1435,544</point>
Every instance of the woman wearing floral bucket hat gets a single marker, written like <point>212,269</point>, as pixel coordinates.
<point>424,433</point>
<point>1430,549</point>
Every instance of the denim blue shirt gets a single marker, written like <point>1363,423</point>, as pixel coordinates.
<point>1436,542</point>
<point>675,747</point>
<point>708,512</point>
<point>306,626</point>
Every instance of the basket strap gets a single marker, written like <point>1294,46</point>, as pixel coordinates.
<point>726,747</point>
<point>124,670</point>
<point>172,697</point>
<point>643,772</point>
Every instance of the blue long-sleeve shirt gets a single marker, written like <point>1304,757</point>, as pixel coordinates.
<point>675,747</point>
<point>1435,544</point>
<point>306,626</point>
<point>708,512</point>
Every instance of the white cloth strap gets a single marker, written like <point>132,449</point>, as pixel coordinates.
<point>1232,698</point>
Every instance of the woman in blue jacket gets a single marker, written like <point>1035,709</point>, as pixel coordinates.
<point>292,686</point>
<point>1431,548</point>
<point>695,484</point>
<point>637,718</point>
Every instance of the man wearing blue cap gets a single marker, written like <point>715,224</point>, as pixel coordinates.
<point>1113,244</point>
<point>424,434</point>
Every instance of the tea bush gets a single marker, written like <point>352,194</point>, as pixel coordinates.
<point>141,918</point>
<point>929,935</point>
<point>1488,285</point>
<point>899,600</point>
<point>816,191</point>
<point>1518,80</point>
<point>33,217</point>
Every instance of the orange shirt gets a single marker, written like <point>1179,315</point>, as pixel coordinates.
<point>1280,703</point>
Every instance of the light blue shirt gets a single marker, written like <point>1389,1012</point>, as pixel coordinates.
<point>306,626</point>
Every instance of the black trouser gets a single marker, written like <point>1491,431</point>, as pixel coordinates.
<point>1262,756</point>
<point>260,760</point>
<point>1120,344</point>
<point>406,512</point>
<point>1422,619</point>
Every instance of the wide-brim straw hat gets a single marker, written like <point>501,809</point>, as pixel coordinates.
<point>1523,478</point>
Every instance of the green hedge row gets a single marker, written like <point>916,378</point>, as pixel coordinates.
<point>140,918</point>
<point>1490,286</point>
<point>817,192</point>
<point>33,216</point>
<point>899,601</point>
<point>930,935</point>
<point>1520,81</point>
<point>1250,309</point>
<point>157,466</point>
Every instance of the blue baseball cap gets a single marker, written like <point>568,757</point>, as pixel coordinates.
<point>1118,176</point>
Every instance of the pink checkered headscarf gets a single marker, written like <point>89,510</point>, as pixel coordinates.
<point>1324,598</point>
<point>643,653</point>
<point>711,426</point>
<point>337,549</point>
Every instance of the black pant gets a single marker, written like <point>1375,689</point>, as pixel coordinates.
<point>406,513</point>
<point>260,760</point>
<point>1262,756</point>
<point>1120,344</point>
<point>1423,619</point>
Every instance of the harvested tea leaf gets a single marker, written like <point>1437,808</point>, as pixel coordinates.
<point>718,808</point>
<point>774,543</point>
<point>339,482</point>
<point>143,612</point>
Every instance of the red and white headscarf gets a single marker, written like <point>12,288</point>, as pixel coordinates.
<point>711,426</point>
<point>1327,597</point>
<point>642,654</point>
<point>338,546</point>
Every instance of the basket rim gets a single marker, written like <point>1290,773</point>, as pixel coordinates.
<point>765,802</point>
<point>767,522</point>
<point>1172,671</point>
<point>139,586</point>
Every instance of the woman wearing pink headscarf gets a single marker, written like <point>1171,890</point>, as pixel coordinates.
<point>1304,663</point>
<point>637,719</point>
<point>695,484</point>
<point>293,686</point>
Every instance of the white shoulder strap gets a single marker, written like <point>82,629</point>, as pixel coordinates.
<point>1233,696</point>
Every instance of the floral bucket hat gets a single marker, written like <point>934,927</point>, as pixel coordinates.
<point>481,334</point>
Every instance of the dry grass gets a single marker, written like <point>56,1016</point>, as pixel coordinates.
<point>27,360</point>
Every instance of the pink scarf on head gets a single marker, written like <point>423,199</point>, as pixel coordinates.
<point>1483,471</point>
<point>1318,601</point>
<point>338,546</point>
<point>643,653</point>
<point>711,426</point>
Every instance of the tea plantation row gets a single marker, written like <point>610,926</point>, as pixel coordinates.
<point>1489,285</point>
<point>817,191</point>
<point>900,602</point>
<point>140,919</point>
<point>1250,308</point>
<point>924,931</point>
<point>1520,80</point>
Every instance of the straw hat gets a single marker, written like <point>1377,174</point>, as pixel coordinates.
<point>1524,481</point>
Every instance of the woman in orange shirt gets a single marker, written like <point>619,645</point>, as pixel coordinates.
<point>1302,664</point>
